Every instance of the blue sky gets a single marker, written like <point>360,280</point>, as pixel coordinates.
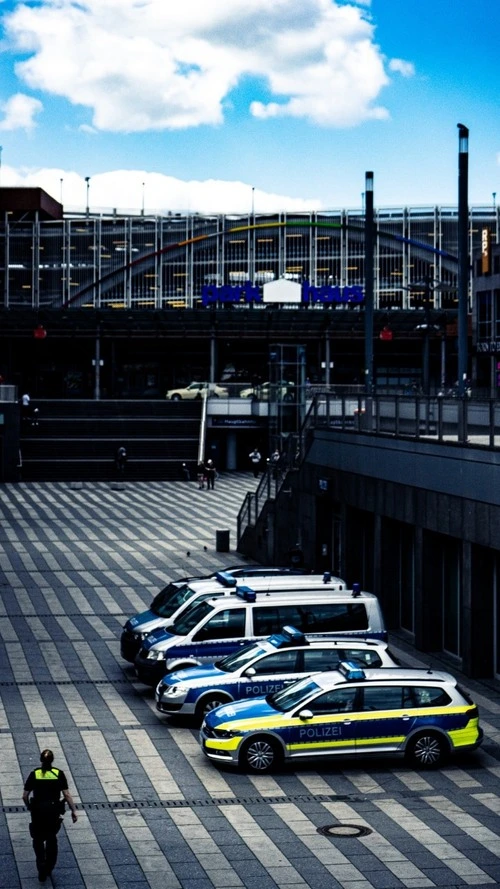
<point>211,107</point>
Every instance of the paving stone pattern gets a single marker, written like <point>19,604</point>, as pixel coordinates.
<point>75,562</point>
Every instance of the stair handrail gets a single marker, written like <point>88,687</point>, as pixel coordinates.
<point>203,428</point>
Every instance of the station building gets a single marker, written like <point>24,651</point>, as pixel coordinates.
<point>176,298</point>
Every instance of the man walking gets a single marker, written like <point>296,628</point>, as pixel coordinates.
<point>255,458</point>
<point>42,796</point>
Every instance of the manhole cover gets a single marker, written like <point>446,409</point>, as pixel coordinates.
<point>344,830</point>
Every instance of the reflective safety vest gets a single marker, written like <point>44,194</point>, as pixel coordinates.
<point>51,775</point>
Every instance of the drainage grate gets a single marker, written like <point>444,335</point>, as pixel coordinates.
<point>40,682</point>
<point>344,830</point>
<point>208,802</point>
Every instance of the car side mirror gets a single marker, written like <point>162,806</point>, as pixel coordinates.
<point>305,714</point>
<point>250,671</point>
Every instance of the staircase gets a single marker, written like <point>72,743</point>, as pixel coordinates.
<point>77,440</point>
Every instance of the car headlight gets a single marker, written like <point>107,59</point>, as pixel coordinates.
<point>173,691</point>
<point>225,733</point>
<point>154,655</point>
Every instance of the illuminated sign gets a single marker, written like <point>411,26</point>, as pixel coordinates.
<point>485,251</point>
<point>309,293</point>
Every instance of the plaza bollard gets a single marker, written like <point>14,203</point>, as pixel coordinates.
<point>222,541</point>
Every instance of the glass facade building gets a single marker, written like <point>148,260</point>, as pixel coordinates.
<point>141,262</point>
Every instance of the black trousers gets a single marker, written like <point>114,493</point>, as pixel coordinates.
<point>44,832</point>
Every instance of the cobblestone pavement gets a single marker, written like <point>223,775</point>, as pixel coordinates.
<point>153,814</point>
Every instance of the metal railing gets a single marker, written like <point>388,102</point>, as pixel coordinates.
<point>466,421</point>
<point>462,420</point>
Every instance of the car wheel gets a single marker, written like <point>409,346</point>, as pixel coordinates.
<point>427,750</point>
<point>210,702</point>
<point>176,397</point>
<point>260,755</point>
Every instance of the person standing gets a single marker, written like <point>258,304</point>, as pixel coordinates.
<point>210,472</point>
<point>121,461</point>
<point>25,407</point>
<point>42,796</point>
<point>255,458</point>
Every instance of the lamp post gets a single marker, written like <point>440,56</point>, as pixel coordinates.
<point>463,256</point>
<point>87,180</point>
<point>142,209</point>
<point>369,283</point>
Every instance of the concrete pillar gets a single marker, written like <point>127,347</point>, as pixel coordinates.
<point>231,459</point>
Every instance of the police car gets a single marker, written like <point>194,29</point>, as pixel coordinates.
<point>174,598</point>
<point>421,714</point>
<point>261,669</point>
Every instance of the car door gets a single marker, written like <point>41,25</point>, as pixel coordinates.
<point>221,634</point>
<point>385,720</point>
<point>329,728</point>
<point>269,674</point>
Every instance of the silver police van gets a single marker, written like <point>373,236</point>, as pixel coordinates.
<point>178,595</point>
<point>215,627</point>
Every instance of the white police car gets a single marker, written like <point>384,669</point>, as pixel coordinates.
<point>262,668</point>
<point>421,714</point>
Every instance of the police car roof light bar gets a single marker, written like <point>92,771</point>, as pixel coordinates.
<point>356,590</point>
<point>351,671</point>
<point>225,578</point>
<point>246,593</point>
<point>327,577</point>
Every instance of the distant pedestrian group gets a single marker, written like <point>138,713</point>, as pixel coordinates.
<point>206,475</point>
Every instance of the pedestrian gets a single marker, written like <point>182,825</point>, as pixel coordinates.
<point>200,475</point>
<point>42,796</point>
<point>274,463</point>
<point>186,475</point>
<point>121,460</point>
<point>255,458</point>
<point>25,406</point>
<point>210,472</point>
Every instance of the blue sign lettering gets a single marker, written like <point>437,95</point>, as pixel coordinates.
<point>249,292</point>
<point>329,294</point>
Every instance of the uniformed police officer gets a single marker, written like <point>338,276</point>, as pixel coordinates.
<point>42,796</point>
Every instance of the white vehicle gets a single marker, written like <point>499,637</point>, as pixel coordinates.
<point>215,627</point>
<point>197,391</point>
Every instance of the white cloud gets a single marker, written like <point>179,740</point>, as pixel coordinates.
<point>142,65</point>
<point>129,190</point>
<point>400,66</point>
<point>19,112</point>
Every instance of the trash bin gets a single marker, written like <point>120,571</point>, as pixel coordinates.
<point>222,541</point>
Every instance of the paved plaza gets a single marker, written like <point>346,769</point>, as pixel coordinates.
<point>75,562</point>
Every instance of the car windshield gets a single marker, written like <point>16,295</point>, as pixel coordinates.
<point>292,695</point>
<point>234,661</point>
<point>191,617</point>
<point>171,598</point>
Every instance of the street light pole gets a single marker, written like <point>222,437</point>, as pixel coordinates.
<point>87,180</point>
<point>463,256</point>
<point>369,283</point>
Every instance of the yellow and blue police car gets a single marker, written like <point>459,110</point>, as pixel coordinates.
<point>262,668</point>
<point>421,714</point>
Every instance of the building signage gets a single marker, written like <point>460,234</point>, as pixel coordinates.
<point>485,251</point>
<point>492,346</point>
<point>309,293</point>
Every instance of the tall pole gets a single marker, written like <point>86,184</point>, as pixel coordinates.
<point>87,180</point>
<point>463,256</point>
<point>369,279</point>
